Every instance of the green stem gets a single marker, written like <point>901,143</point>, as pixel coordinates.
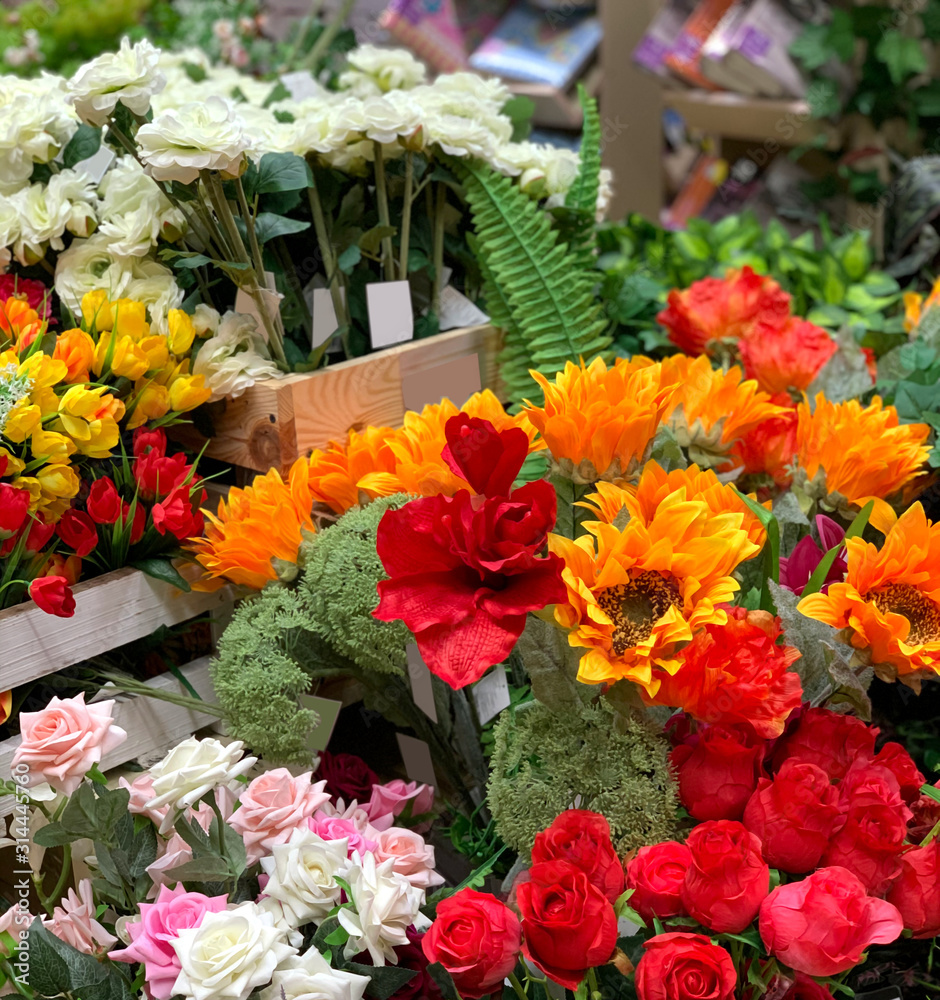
<point>213,803</point>
<point>438,258</point>
<point>329,259</point>
<point>7,969</point>
<point>517,986</point>
<point>56,894</point>
<point>252,236</point>
<point>303,29</point>
<point>381,194</point>
<point>322,44</point>
<point>592,982</point>
<point>128,685</point>
<point>406,216</point>
<point>932,835</point>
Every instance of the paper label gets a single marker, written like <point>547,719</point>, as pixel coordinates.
<point>416,755</point>
<point>325,323</point>
<point>246,305</point>
<point>491,695</point>
<point>458,380</point>
<point>328,710</point>
<point>300,84</point>
<point>458,311</point>
<point>422,690</point>
<point>96,166</point>
<point>391,319</point>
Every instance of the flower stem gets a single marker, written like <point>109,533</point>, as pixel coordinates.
<point>56,893</point>
<point>322,44</point>
<point>129,685</point>
<point>438,252</point>
<point>214,804</point>
<point>932,835</point>
<point>517,986</point>
<point>326,252</point>
<point>406,216</point>
<point>381,194</point>
<point>592,982</point>
<point>7,969</point>
<point>252,235</point>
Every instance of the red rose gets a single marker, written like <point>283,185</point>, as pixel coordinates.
<point>684,967</point>
<point>489,460</point>
<point>149,442</point>
<point>926,815</point>
<point>656,875</point>
<point>477,939</point>
<point>464,575</point>
<point>53,595</point>
<point>869,784</point>
<point>159,474</point>
<point>828,740</point>
<point>14,503</point>
<point>38,536</point>
<point>916,892</point>
<point>568,925</point>
<point>178,515</point>
<point>804,988</point>
<point>347,776</point>
<point>727,878</point>
<point>78,531</point>
<point>583,838</point>
<point>104,503</point>
<point>719,774</point>
<point>899,762</point>
<point>794,816</point>
<point>822,925</point>
<point>869,845</point>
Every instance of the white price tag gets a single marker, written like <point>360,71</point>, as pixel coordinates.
<point>458,311</point>
<point>491,694</point>
<point>325,323</point>
<point>300,84</point>
<point>422,689</point>
<point>96,166</point>
<point>416,755</point>
<point>246,305</point>
<point>391,319</point>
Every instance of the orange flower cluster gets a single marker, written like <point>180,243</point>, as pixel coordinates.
<point>20,325</point>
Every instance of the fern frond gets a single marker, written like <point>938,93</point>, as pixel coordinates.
<point>581,200</point>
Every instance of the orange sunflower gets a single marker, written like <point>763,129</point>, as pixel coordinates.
<point>599,422</point>
<point>889,604</point>
<point>712,409</point>
<point>849,454</point>
<point>636,596</point>
<point>343,475</point>
<point>255,526</point>
<point>916,306</point>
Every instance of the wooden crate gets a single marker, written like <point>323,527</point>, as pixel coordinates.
<point>110,610</point>
<point>278,420</point>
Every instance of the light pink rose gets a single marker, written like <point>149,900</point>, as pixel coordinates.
<point>74,922</point>
<point>141,789</point>
<point>61,743</point>
<point>340,828</point>
<point>411,856</point>
<point>159,924</point>
<point>391,799</point>
<point>272,807</point>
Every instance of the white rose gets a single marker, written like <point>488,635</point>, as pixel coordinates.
<point>385,119</point>
<point>154,285</point>
<point>561,171</point>
<point>303,875</point>
<point>133,209</point>
<point>207,135</point>
<point>193,768</point>
<point>386,905</point>
<point>87,265</point>
<point>490,91</point>
<point>205,320</point>
<point>375,70</point>
<point>229,954</point>
<point>129,75</point>
<point>234,358</point>
<point>310,977</point>
<point>9,222</point>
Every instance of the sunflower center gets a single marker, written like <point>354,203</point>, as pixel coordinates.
<point>916,607</point>
<point>635,607</point>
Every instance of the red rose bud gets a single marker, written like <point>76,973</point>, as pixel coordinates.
<point>14,504</point>
<point>916,891</point>
<point>78,531</point>
<point>684,967</point>
<point>104,504</point>
<point>477,939</point>
<point>149,442</point>
<point>488,459</point>
<point>727,879</point>
<point>583,838</point>
<point>38,536</point>
<point>899,762</point>
<point>656,875</point>
<point>347,776</point>
<point>568,925</point>
<point>823,924</point>
<point>719,774</point>
<point>828,740</point>
<point>793,816</point>
<point>52,594</point>
<point>157,475</point>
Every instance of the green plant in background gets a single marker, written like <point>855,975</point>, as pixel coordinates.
<point>830,278</point>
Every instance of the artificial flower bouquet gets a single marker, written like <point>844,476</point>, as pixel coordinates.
<point>211,876</point>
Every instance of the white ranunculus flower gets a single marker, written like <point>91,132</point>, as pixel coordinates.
<point>490,91</point>
<point>386,904</point>
<point>193,768</point>
<point>205,320</point>
<point>154,284</point>
<point>206,135</point>
<point>561,170</point>
<point>375,70</point>
<point>353,159</point>
<point>130,75</point>
<point>78,189</point>
<point>87,265</point>
<point>310,977</point>
<point>303,875</point>
<point>235,357</point>
<point>229,954</point>
<point>9,224</point>
<point>384,119</point>
<point>133,209</point>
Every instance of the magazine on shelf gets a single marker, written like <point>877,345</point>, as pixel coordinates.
<point>685,56</point>
<point>661,35</point>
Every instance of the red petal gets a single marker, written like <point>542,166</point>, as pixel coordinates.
<point>422,600</point>
<point>405,539</point>
<point>530,591</point>
<point>463,653</point>
<point>488,459</point>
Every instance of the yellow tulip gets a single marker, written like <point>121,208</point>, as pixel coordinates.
<point>90,418</point>
<point>182,331</point>
<point>121,356</point>
<point>130,319</point>
<point>22,420</point>
<point>43,371</point>
<point>10,464</point>
<point>51,446</point>
<point>157,351</point>
<point>187,392</point>
<point>150,402</point>
<point>96,310</point>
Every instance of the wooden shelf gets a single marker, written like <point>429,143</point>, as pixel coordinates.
<point>556,108</point>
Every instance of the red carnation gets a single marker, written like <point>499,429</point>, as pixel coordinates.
<point>583,838</point>
<point>53,595</point>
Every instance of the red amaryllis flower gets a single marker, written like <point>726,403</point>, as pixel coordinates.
<point>789,357</point>
<point>465,572</point>
<point>796,570</point>
<point>735,674</point>
<point>714,309</point>
<point>488,459</point>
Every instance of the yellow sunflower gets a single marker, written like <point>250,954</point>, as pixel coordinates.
<point>889,604</point>
<point>636,596</point>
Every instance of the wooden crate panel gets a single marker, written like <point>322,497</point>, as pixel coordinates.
<point>109,611</point>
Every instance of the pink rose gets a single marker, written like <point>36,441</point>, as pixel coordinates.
<point>15,921</point>
<point>272,807</point>
<point>159,925</point>
<point>391,799</point>
<point>338,828</point>
<point>141,789</point>
<point>410,855</point>
<point>74,921</point>
<point>61,743</point>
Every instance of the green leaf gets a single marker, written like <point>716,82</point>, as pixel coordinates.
<point>277,172</point>
<point>204,869</point>
<point>84,143</point>
<point>444,981</point>
<point>269,226</point>
<point>823,98</point>
<point>818,578</point>
<point>902,54</point>
<point>56,968</point>
<point>349,258</point>
<point>812,47</point>
<point>96,776</point>
<point>372,238</point>
<point>164,570</point>
<point>771,547</point>
<point>338,936</point>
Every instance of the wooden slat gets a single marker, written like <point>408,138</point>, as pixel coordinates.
<point>109,611</point>
<point>153,727</point>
